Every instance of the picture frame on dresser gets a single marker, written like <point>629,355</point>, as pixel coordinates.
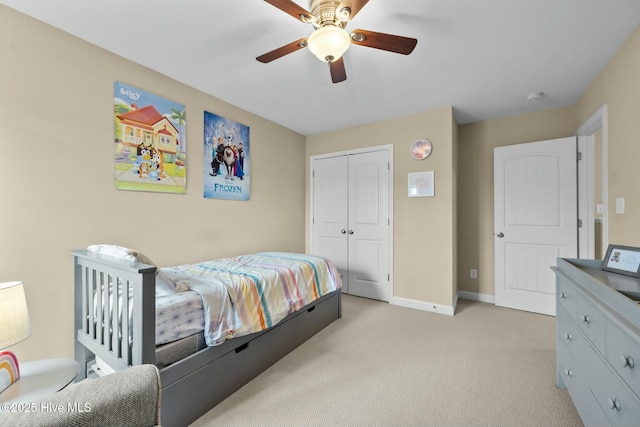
<point>622,260</point>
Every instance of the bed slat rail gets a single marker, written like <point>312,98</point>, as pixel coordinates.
<point>115,316</point>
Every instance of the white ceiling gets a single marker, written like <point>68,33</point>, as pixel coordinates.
<point>480,57</point>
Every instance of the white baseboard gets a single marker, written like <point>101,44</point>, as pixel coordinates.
<point>439,308</point>
<point>423,305</point>
<point>475,296</point>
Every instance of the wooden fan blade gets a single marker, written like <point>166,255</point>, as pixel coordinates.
<point>388,42</point>
<point>354,5</point>
<point>287,6</point>
<point>282,51</point>
<point>338,73</point>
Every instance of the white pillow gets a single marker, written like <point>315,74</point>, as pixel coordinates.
<point>115,251</point>
<point>164,284</point>
<point>140,257</point>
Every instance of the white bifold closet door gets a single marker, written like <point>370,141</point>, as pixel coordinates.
<point>350,220</point>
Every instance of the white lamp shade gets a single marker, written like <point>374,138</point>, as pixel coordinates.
<point>14,315</point>
<point>329,43</point>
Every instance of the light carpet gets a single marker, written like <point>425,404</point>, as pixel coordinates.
<point>385,365</point>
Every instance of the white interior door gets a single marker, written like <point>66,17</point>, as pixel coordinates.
<point>368,232</point>
<point>535,220</point>
<point>351,221</point>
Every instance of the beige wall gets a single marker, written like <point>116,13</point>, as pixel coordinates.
<point>475,188</point>
<point>618,86</point>
<point>423,247</point>
<point>57,194</point>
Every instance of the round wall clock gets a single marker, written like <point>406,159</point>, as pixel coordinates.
<point>421,149</point>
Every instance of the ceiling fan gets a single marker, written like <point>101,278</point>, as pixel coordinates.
<point>330,40</point>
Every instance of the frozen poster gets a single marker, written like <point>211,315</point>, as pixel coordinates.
<point>150,145</point>
<point>226,159</point>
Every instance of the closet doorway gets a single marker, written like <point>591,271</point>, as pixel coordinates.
<point>351,199</point>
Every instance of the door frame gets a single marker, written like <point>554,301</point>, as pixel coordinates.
<point>389,149</point>
<point>597,122</point>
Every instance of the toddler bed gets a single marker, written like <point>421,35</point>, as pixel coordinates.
<point>210,327</point>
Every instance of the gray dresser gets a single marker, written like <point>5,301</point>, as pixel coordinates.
<point>598,350</point>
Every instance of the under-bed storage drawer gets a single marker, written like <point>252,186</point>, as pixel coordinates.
<point>312,320</point>
<point>216,381</point>
<point>240,365</point>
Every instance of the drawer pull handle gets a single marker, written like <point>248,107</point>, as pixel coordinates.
<point>627,361</point>
<point>614,404</point>
<point>569,373</point>
<point>586,319</point>
<point>568,336</point>
<point>243,347</point>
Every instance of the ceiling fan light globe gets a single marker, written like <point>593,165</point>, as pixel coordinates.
<point>329,43</point>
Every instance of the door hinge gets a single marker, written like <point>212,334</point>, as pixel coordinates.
<point>579,156</point>
<point>579,223</point>
<point>388,278</point>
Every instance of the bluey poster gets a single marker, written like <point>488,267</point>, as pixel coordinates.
<point>150,145</point>
<point>227,172</point>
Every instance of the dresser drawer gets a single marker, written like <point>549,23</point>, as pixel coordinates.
<point>623,353</point>
<point>616,401</point>
<point>572,338</point>
<point>579,389</point>
<point>591,320</point>
<point>566,294</point>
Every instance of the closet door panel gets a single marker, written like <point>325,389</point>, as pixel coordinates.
<point>350,203</point>
<point>369,225</point>
<point>330,212</point>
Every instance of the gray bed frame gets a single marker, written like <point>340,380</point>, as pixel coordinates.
<point>195,384</point>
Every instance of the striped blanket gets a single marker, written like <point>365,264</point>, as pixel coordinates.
<point>250,293</point>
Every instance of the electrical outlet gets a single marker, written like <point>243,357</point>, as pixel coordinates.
<point>473,273</point>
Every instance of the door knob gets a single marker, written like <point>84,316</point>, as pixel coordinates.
<point>500,235</point>
<point>343,231</point>
<point>350,231</point>
<point>627,361</point>
<point>614,404</point>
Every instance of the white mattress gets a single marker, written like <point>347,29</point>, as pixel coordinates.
<point>178,316</point>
